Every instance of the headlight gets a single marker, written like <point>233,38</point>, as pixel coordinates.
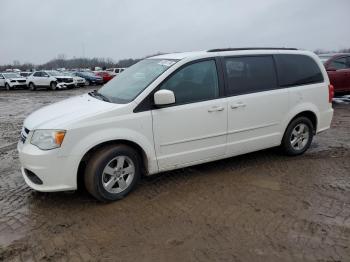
<point>48,139</point>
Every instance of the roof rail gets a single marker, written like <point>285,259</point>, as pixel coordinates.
<point>250,48</point>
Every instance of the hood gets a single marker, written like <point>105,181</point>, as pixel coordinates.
<point>17,78</point>
<point>60,115</point>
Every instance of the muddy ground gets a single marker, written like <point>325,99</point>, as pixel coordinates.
<point>257,207</point>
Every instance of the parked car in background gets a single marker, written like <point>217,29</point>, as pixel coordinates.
<point>176,110</point>
<point>115,71</point>
<point>11,80</point>
<point>338,70</point>
<point>49,79</point>
<point>106,76</point>
<point>78,81</point>
<point>25,74</point>
<point>90,78</point>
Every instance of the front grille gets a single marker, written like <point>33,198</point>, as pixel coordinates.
<point>68,80</point>
<point>21,81</point>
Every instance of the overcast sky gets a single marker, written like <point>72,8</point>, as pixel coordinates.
<point>39,30</point>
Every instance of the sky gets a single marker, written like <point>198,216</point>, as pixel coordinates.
<point>39,30</point>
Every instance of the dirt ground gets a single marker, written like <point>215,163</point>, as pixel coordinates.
<point>258,207</point>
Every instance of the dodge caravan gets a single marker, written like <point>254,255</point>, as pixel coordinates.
<point>176,110</point>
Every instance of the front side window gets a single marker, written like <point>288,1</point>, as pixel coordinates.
<point>249,74</point>
<point>37,74</point>
<point>297,70</point>
<point>339,63</point>
<point>194,82</point>
<point>127,86</point>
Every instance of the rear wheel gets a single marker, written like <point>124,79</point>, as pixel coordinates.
<point>112,172</point>
<point>298,136</point>
<point>32,87</point>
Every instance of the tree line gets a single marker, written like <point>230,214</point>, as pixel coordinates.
<point>73,63</point>
<point>91,63</point>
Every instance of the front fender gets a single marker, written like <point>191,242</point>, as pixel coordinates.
<point>98,137</point>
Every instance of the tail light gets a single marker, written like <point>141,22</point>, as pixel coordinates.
<point>330,93</point>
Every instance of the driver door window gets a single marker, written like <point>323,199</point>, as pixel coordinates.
<point>193,83</point>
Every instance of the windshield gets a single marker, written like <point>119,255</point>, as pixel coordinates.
<point>11,75</point>
<point>53,73</point>
<point>127,86</point>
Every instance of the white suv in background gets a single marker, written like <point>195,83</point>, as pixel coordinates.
<point>177,110</point>
<point>49,79</point>
<point>11,80</point>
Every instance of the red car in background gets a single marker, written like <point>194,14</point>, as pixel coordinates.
<point>106,76</point>
<point>338,69</point>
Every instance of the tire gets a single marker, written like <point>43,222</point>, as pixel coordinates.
<point>31,86</point>
<point>298,136</point>
<point>8,87</point>
<point>88,83</point>
<point>53,86</point>
<point>102,168</point>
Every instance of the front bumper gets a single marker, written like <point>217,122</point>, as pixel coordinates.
<point>65,85</point>
<point>81,84</point>
<point>57,173</point>
<point>24,84</point>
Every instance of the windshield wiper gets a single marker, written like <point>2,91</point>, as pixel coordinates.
<point>99,95</point>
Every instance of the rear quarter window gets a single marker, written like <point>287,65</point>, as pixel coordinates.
<point>296,70</point>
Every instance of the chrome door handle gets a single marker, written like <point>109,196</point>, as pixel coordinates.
<point>216,108</point>
<point>235,106</point>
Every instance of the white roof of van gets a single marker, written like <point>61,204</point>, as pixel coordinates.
<point>226,51</point>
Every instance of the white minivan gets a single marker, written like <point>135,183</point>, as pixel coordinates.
<point>176,110</point>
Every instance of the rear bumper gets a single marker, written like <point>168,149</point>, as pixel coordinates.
<point>325,120</point>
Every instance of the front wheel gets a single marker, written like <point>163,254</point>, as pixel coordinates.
<point>298,136</point>
<point>8,87</point>
<point>53,86</point>
<point>112,172</point>
<point>32,87</point>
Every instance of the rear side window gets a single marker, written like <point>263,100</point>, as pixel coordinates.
<point>194,82</point>
<point>249,74</point>
<point>297,70</point>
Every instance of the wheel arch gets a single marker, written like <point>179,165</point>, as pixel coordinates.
<point>306,113</point>
<point>92,150</point>
<point>310,115</point>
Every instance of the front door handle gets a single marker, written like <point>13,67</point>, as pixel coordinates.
<point>238,105</point>
<point>215,109</point>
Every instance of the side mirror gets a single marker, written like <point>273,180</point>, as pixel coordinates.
<point>331,69</point>
<point>164,97</point>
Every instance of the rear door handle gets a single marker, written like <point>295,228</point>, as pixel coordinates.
<point>238,105</point>
<point>215,109</point>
